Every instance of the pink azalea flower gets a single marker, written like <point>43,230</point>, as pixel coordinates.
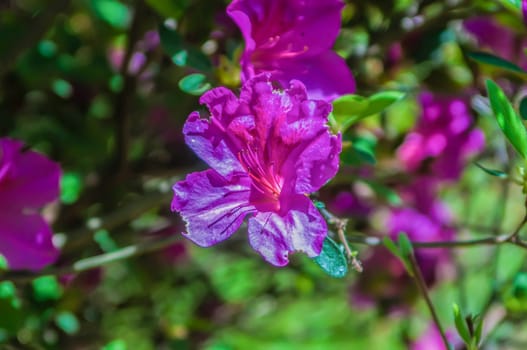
<point>28,181</point>
<point>443,135</point>
<point>267,149</point>
<point>293,40</point>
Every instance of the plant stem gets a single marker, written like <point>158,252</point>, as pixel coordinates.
<point>96,261</point>
<point>418,276</point>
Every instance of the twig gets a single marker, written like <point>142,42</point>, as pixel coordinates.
<point>121,113</point>
<point>340,224</point>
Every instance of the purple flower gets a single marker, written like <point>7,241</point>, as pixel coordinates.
<point>28,181</point>
<point>497,38</point>
<point>444,135</point>
<point>267,149</point>
<point>293,40</point>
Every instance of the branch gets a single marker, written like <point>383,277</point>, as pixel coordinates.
<point>95,261</point>
<point>421,284</point>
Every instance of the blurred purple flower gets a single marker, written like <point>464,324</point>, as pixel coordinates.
<point>138,59</point>
<point>499,39</point>
<point>431,340</point>
<point>444,135</point>
<point>267,149</point>
<point>293,40</point>
<point>28,181</point>
<point>347,204</point>
<point>423,219</point>
<point>524,11</point>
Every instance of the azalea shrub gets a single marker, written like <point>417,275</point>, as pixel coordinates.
<point>263,174</point>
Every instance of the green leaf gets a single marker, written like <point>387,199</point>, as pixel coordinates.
<point>68,322</point>
<point>105,241</point>
<point>349,109</point>
<point>495,61</point>
<point>46,288</point>
<point>70,187</point>
<point>117,344</point>
<point>523,108</point>
<point>520,286</point>
<point>509,122</point>
<point>384,192</point>
<point>461,325</point>
<point>365,148</point>
<point>493,172</point>
<point>398,252</point>
<point>10,308</point>
<point>181,53</point>
<point>405,245</point>
<point>391,246</point>
<point>112,12</point>
<point>169,8</point>
<point>382,100</point>
<point>332,259</point>
<point>194,84</point>
<point>4,266</point>
<point>478,329</point>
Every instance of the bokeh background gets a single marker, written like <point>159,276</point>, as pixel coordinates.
<point>104,87</point>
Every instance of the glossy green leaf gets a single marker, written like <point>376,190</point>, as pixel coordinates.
<point>112,12</point>
<point>332,259</point>
<point>523,108</point>
<point>194,84</point>
<point>508,120</point>
<point>495,61</point>
<point>493,172</point>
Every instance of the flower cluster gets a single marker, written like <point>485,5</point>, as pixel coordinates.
<point>434,153</point>
<point>270,148</point>
<point>443,138</point>
<point>28,181</point>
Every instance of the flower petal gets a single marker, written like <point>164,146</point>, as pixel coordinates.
<point>212,207</point>
<point>315,162</point>
<point>326,76</point>
<point>301,228</point>
<point>287,26</point>
<point>210,142</point>
<point>26,241</point>
<point>27,179</point>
